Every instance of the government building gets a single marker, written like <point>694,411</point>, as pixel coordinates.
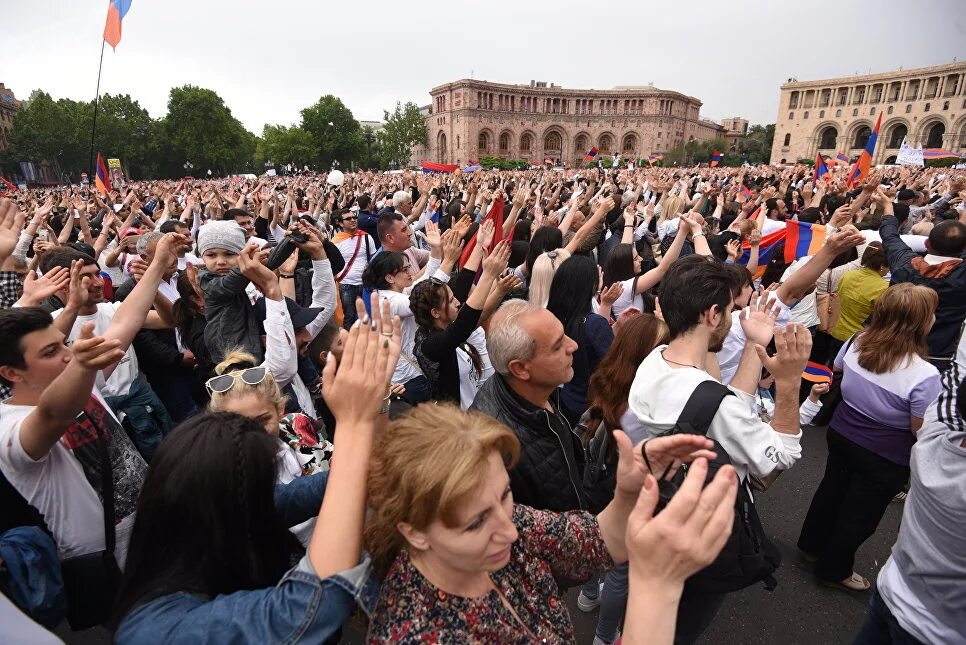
<point>470,119</point>
<point>925,106</point>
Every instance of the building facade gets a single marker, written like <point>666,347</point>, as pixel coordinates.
<point>8,107</point>
<point>735,128</point>
<point>925,106</point>
<point>470,119</point>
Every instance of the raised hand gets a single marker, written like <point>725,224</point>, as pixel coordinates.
<point>485,234</point>
<point>508,284</point>
<point>610,295</point>
<point>432,234</point>
<point>733,248</point>
<point>758,318</point>
<point>36,290</point>
<point>495,263</point>
<point>847,238</point>
<point>251,263</point>
<point>452,247</point>
<point>356,389</point>
<point>11,223</point>
<point>95,353</point>
<point>793,344</point>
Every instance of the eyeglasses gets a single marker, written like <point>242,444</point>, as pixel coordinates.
<point>224,382</point>
<point>352,217</point>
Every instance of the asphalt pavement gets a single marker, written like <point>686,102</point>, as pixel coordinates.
<point>799,611</point>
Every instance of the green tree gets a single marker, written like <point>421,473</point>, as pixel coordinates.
<point>53,131</point>
<point>404,128</point>
<point>126,131</point>
<point>283,144</point>
<point>201,129</point>
<point>335,132</point>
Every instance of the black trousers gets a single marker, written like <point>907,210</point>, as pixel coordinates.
<point>848,505</point>
<point>696,611</point>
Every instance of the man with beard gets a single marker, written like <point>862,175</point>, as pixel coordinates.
<point>696,301</point>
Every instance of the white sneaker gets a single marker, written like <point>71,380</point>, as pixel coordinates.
<point>586,604</point>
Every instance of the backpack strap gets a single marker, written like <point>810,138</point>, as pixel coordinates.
<point>701,407</point>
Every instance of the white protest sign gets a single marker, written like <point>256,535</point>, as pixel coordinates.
<point>909,155</point>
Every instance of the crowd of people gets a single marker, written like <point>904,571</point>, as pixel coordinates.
<point>251,409</point>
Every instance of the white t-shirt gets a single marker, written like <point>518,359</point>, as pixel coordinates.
<point>127,368</point>
<point>61,484</point>
<point>288,468</point>
<point>627,299</point>
<point>660,392</point>
<point>470,383</point>
<point>347,248</point>
<point>406,369</point>
<point>805,311</point>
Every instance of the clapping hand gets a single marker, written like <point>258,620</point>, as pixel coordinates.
<point>758,319</point>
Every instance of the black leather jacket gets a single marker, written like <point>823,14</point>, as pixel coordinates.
<point>549,474</point>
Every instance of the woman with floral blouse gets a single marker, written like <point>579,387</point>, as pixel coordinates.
<point>464,564</point>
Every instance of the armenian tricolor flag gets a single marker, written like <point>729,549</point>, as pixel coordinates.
<point>841,158</point>
<point>102,178</point>
<point>802,239</point>
<point>591,154</point>
<point>817,373</point>
<point>765,251</point>
<point>820,169</point>
<point>116,11</point>
<point>938,153</point>
<point>862,165</point>
<point>655,156</point>
<point>745,191</point>
<point>715,158</point>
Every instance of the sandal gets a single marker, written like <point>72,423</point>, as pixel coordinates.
<point>855,582</point>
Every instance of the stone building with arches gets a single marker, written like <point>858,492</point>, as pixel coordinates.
<point>926,106</point>
<point>469,119</point>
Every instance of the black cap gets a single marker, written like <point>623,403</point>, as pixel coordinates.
<point>905,194</point>
<point>301,316</point>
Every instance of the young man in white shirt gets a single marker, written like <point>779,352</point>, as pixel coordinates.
<point>696,302</point>
<point>357,248</point>
<point>51,425</point>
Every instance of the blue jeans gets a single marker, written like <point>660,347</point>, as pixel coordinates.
<point>146,419</point>
<point>613,601</point>
<point>348,294</point>
<point>881,627</point>
<point>418,390</point>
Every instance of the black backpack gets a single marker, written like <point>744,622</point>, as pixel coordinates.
<point>748,556</point>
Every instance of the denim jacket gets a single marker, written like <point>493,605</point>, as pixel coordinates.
<point>300,608</point>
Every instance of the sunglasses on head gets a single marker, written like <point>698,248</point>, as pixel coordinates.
<point>224,382</point>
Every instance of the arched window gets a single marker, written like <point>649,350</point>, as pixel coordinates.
<point>606,144</point>
<point>890,109</point>
<point>805,116</point>
<point>526,142</point>
<point>855,112</point>
<point>791,116</point>
<point>788,139</point>
<point>441,151</point>
<point>862,137</point>
<point>552,142</point>
<point>821,114</point>
<point>908,108</point>
<point>872,111</point>
<point>630,143</point>
<point>828,139</point>
<point>897,135</point>
<point>581,144</point>
<point>484,141</point>
<point>935,136</point>
<point>925,108</point>
<point>504,142</point>
<point>945,105</point>
<point>838,113</point>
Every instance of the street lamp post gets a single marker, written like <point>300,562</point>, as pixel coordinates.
<point>188,166</point>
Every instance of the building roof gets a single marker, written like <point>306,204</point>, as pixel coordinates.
<point>937,70</point>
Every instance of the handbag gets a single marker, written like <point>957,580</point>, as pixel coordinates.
<point>91,580</point>
<point>828,307</point>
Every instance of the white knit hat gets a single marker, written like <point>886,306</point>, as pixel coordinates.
<point>221,235</point>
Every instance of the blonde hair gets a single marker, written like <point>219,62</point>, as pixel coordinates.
<point>542,275</point>
<point>267,389</point>
<point>424,467</point>
<point>672,208</point>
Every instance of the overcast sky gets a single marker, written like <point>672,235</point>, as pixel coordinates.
<point>268,60</point>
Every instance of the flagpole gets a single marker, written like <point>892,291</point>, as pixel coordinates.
<point>97,96</point>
